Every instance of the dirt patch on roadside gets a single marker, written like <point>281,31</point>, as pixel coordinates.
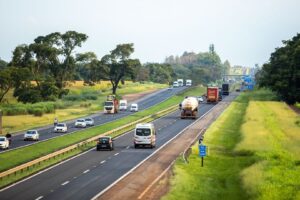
<point>151,179</point>
<point>136,96</point>
<point>295,109</point>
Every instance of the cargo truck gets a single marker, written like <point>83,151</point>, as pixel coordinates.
<point>180,82</point>
<point>111,104</point>
<point>212,95</point>
<point>225,89</point>
<point>188,82</point>
<point>189,108</point>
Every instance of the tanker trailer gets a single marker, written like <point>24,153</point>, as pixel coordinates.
<point>189,108</point>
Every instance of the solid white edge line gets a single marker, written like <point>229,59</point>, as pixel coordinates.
<point>135,167</point>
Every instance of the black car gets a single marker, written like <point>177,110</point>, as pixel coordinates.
<point>105,142</point>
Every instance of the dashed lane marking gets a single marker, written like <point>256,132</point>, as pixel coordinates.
<point>65,183</point>
<point>40,197</point>
<point>102,161</point>
<point>86,171</point>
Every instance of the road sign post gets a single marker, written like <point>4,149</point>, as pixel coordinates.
<point>202,153</point>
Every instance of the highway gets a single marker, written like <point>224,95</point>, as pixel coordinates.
<point>101,118</point>
<point>86,175</point>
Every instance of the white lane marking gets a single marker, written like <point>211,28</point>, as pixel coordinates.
<point>95,166</point>
<point>86,171</point>
<point>127,147</point>
<point>102,161</point>
<point>40,197</point>
<point>139,164</point>
<point>74,177</point>
<point>116,154</point>
<point>65,183</point>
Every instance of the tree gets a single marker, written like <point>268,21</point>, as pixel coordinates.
<point>120,65</point>
<point>282,73</point>
<point>6,82</point>
<point>3,64</point>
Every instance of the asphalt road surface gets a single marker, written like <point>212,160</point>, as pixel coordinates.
<point>101,118</point>
<point>91,172</point>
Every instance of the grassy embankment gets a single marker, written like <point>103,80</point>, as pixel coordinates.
<point>12,158</point>
<point>81,101</point>
<point>253,153</point>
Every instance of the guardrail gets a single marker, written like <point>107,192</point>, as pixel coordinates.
<point>187,152</point>
<point>122,129</point>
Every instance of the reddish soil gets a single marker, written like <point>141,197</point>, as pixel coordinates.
<point>294,108</point>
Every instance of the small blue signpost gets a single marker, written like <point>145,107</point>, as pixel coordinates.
<point>202,153</point>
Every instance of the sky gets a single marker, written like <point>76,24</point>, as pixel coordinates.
<point>245,32</point>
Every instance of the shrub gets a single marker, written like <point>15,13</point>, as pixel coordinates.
<point>37,112</point>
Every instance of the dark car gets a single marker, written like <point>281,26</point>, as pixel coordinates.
<point>105,142</point>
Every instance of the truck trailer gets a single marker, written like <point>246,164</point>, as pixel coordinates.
<point>189,108</point>
<point>225,89</point>
<point>111,104</point>
<point>212,95</point>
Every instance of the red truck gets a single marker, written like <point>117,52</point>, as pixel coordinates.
<point>212,95</point>
<point>111,104</point>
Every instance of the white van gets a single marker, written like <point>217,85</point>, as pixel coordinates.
<point>144,134</point>
<point>134,107</point>
<point>123,104</point>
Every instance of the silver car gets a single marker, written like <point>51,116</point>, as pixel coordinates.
<point>31,135</point>
<point>89,121</point>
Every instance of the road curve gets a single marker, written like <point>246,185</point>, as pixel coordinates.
<point>86,175</point>
<point>100,118</point>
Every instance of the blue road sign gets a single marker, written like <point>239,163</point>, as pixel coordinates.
<point>202,150</point>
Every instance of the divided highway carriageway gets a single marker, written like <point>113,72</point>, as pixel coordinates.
<point>87,174</point>
<point>101,118</point>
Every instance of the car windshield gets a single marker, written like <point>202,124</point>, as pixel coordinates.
<point>60,125</point>
<point>104,140</point>
<point>2,139</point>
<point>88,119</point>
<point>30,132</point>
<point>122,104</point>
<point>108,103</point>
<point>143,132</point>
<point>133,106</point>
<point>80,120</point>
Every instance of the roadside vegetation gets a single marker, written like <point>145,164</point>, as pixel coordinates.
<point>12,158</point>
<point>253,153</point>
<point>81,101</point>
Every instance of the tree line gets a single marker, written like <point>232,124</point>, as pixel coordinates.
<point>41,70</point>
<point>203,67</point>
<point>282,73</point>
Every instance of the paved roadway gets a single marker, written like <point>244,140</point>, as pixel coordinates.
<point>101,118</point>
<point>88,174</point>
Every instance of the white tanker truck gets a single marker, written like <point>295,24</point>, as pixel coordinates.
<point>189,108</point>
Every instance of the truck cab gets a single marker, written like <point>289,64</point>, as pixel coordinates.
<point>111,104</point>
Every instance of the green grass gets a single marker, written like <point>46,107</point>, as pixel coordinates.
<point>253,153</point>
<point>12,158</point>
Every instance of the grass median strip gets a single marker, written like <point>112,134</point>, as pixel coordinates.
<point>19,156</point>
<point>253,153</point>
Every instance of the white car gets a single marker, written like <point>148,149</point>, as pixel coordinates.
<point>4,143</point>
<point>134,107</point>
<point>31,135</point>
<point>89,121</point>
<point>200,99</point>
<point>61,128</point>
<point>80,123</point>
<point>123,104</point>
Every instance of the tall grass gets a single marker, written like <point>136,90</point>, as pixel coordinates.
<point>254,153</point>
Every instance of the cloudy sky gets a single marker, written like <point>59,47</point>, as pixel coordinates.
<point>244,31</point>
